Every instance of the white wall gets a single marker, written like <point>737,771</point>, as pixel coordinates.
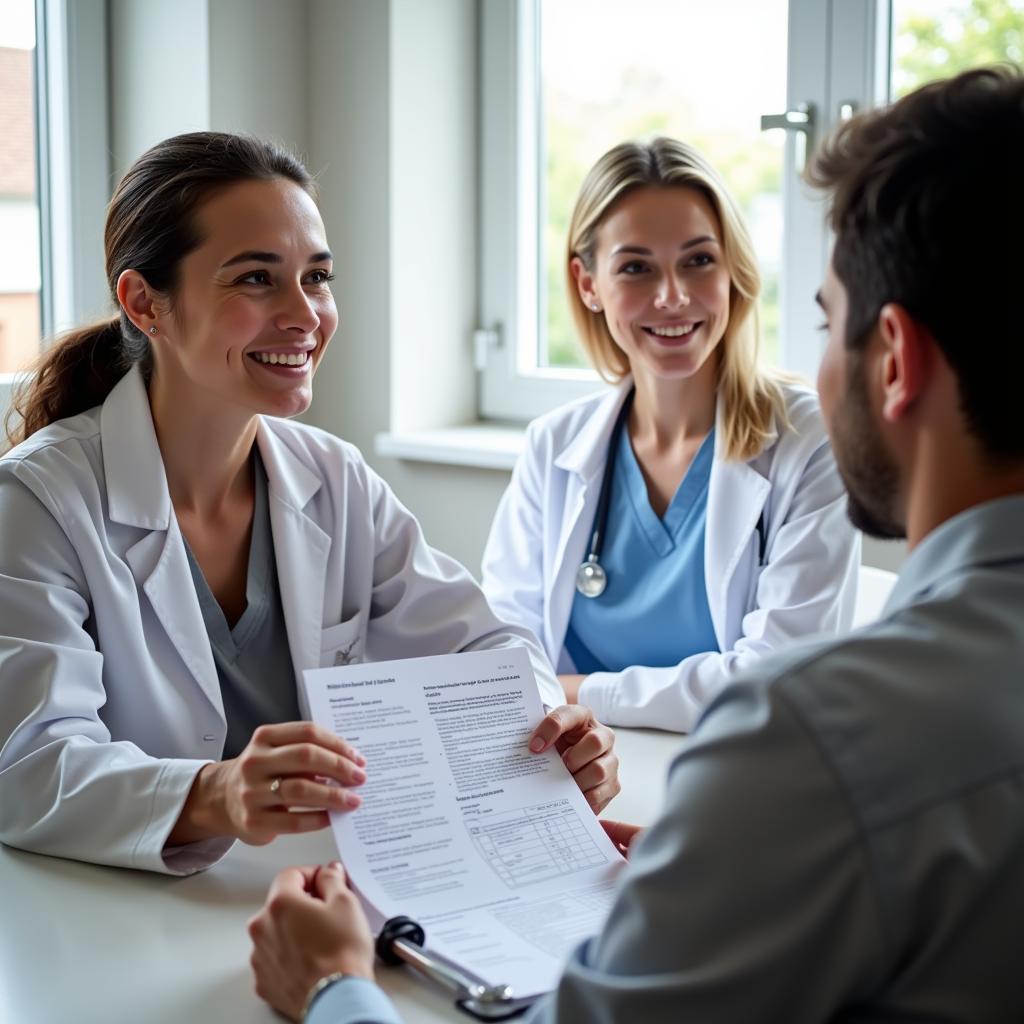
<point>348,70</point>
<point>398,174</point>
<point>432,171</point>
<point>258,56</point>
<point>194,65</point>
<point>159,73</point>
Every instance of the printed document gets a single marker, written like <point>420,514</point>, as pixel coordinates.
<point>491,848</point>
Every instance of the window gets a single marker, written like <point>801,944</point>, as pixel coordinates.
<point>20,272</point>
<point>54,172</point>
<point>563,80</point>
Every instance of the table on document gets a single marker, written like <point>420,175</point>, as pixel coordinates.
<point>534,843</point>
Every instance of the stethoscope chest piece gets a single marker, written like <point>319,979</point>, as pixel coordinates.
<point>591,579</point>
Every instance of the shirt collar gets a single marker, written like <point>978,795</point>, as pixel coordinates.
<point>586,453</point>
<point>985,534</point>
<point>136,480</point>
<point>137,493</point>
<point>288,477</point>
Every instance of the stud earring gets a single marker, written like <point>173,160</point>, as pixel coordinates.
<point>152,330</point>
<point>595,307</point>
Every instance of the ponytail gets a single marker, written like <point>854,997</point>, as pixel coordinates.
<point>76,373</point>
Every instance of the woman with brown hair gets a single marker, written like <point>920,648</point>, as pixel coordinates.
<point>659,536</point>
<point>174,552</point>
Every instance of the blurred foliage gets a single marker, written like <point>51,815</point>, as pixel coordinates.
<point>968,33</point>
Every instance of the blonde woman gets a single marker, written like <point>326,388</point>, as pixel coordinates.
<point>660,536</point>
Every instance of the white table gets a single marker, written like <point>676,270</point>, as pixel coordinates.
<point>93,945</point>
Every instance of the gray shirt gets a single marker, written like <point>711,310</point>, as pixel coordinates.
<point>253,659</point>
<point>843,835</point>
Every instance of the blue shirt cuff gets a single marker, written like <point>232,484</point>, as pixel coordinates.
<point>353,1001</point>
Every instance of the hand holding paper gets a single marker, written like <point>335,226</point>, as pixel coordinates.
<point>586,748</point>
<point>286,765</point>
<point>491,848</point>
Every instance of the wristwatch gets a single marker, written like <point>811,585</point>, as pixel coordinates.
<point>325,982</point>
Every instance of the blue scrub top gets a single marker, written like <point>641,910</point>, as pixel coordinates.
<point>655,609</point>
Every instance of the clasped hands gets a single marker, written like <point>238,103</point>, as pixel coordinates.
<point>303,766</point>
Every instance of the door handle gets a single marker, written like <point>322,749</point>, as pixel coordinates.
<point>801,120</point>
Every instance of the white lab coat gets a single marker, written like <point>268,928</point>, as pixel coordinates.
<point>109,697</point>
<point>807,584</point>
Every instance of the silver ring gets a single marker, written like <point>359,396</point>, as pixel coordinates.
<point>275,785</point>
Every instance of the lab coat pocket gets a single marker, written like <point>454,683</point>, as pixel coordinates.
<point>342,644</point>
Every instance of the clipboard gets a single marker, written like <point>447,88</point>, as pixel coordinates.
<point>401,941</point>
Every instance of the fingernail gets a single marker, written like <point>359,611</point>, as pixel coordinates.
<point>352,800</point>
<point>536,744</point>
<point>358,758</point>
<point>358,775</point>
<point>335,864</point>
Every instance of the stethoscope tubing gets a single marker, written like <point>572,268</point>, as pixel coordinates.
<point>590,577</point>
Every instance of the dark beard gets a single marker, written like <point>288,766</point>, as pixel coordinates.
<point>869,473</point>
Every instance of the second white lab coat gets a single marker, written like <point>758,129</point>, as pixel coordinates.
<point>805,586</point>
<point>109,696</point>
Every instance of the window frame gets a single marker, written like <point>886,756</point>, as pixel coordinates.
<point>73,172</point>
<point>74,167</point>
<point>510,221</point>
<point>838,54</point>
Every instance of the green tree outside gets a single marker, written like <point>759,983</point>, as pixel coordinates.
<point>968,34</point>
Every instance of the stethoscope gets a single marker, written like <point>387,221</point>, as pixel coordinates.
<point>591,579</point>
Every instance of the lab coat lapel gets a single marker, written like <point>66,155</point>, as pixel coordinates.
<point>583,460</point>
<point>160,563</point>
<point>737,495</point>
<point>301,551</point>
<point>137,495</point>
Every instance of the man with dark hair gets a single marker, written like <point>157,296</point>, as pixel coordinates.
<point>843,837</point>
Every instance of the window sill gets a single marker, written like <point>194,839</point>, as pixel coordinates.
<point>480,445</point>
<point>7,382</point>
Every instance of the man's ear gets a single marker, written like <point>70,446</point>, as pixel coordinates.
<point>138,300</point>
<point>584,284</point>
<point>907,359</point>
